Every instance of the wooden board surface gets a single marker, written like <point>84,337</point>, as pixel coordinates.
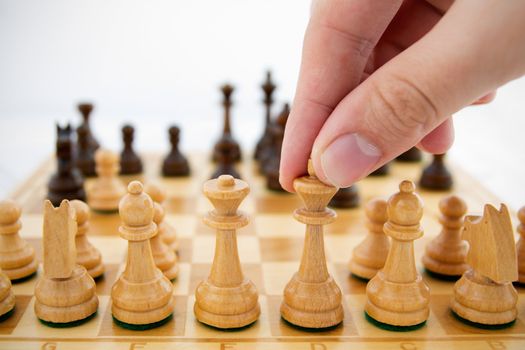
<point>270,248</point>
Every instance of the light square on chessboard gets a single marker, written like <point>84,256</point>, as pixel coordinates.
<point>184,224</point>
<point>29,325</point>
<point>204,248</point>
<point>27,287</point>
<point>440,306</point>
<point>356,304</point>
<point>199,272</point>
<point>181,284</point>
<point>259,329</point>
<point>278,225</point>
<point>173,328</point>
<point>281,328</point>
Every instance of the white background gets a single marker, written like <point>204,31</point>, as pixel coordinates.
<point>157,62</point>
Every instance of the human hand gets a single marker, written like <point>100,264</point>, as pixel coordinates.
<point>378,77</point>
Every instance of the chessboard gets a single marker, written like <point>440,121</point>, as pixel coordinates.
<point>270,248</point>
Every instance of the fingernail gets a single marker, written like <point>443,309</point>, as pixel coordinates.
<point>348,158</point>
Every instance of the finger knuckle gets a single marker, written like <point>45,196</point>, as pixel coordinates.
<point>402,108</point>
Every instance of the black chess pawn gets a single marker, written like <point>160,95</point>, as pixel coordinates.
<point>436,176</point>
<point>225,159</point>
<point>265,140</point>
<point>227,91</point>
<point>67,182</point>
<point>85,110</point>
<point>381,171</point>
<point>85,158</point>
<point>272,163</point>
<point>345,198</point>
<point>130,163</point>
<point>412,155</point>
<point>175,164</point>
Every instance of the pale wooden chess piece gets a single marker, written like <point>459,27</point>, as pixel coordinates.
<point>397,295</point>
<point>87,255</point>
<point>312,299</point>
<point>226,299</point>
<point>7,297</point>
<point>17,257</point>
<point>107,189</point>
<point>485,294</point>
<point>166,231</point>
<point>66,292</point>
<point>447,253</point>
<point>164,257</point>
<point>520,246</point>
<point>370,255</point>
<point>142,295</point>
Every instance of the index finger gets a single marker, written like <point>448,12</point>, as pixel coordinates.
<point>340,37</point>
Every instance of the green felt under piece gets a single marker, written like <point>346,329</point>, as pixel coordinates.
<point>7,314</point>
<point>481,325</point>
<point>67,324</point>
<point>142,327</point>
<point>23,279</point>
<point>392,328</point>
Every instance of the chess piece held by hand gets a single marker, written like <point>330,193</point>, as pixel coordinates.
<point>312,299</point>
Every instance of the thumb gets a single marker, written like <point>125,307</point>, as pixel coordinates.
<point>414,93</point>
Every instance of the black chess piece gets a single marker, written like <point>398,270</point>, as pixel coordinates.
<point>130,163</point>
<point>271,166</point>
<point>271,151</point>
<point>67,182</point>
<point>175,164</point>
<point>381,171</point>
<point>85,158</point>
<point>412,155</point>
<point>345,198</point>
<point>436,175</point>
<point>85,110</point>
<point>227,136</point>
<point>225,149</point>
<point>265,140</point>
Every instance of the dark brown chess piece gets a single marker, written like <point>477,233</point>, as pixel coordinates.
<point>381,171</point>
<point>225,149</point>
<point>227,137</point>
<point>345,198</point>
<point>67,182</point>
<point>85,159</point>
<point>265,140</point>
<point>130,162</point>
<point>412,155</point>
<point>271,166</point>
<point>436,176</point>
<point>85,109</point>
<point>175,164</point>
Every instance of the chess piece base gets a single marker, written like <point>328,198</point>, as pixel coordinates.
<point>7,297</point>
<point>142,303</point>
<point>312,305</point>
<point>369,256</point>
<point>91,260</point>
<point>444,268</point>
<point>480,300</point>
<point>227,307</point>
<point>362,271</point>
<point>397,304</point>
<point>66,300</point>
<point>21,272</point>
